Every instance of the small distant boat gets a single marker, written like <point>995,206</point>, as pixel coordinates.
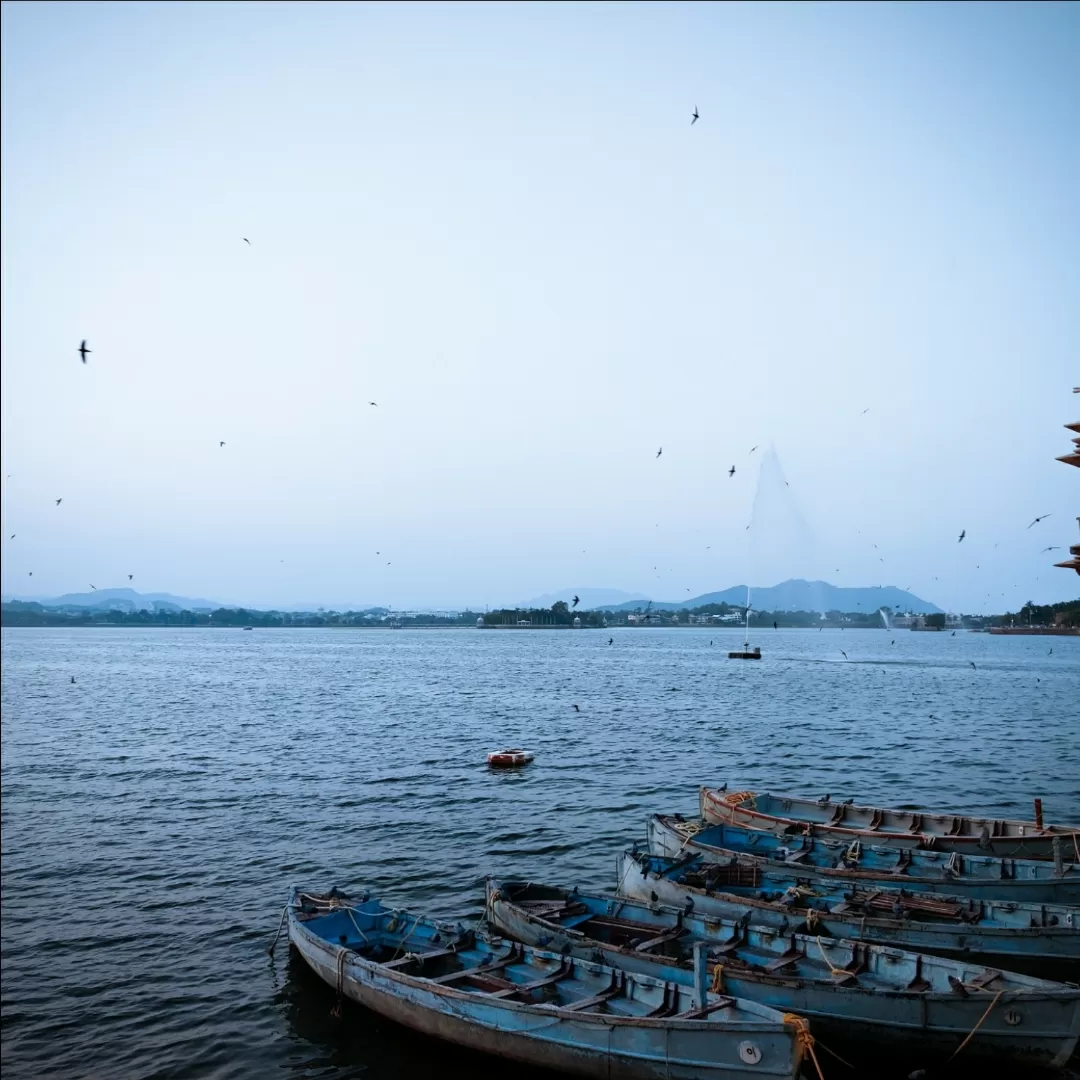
<point>535,1006</point>
<point>249,628</point>
<point>914,869</point>
<point>746,653</point>
<point>509,759</point>
<point>852,992</point>
<point>1007,933</point>
<point>791,814</point>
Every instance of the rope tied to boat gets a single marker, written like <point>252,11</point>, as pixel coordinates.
<point>401,947</point>
<point>281,923</point>
<point>971,1033</point>
<point>718,979</point>
<point>825,957</point>
<point>804,1039</point>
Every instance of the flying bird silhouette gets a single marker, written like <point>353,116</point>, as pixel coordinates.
<point>752,449</point>
<point>1038,519</point>
<point>59,501</point>
<point>660,451</point>
<point>221,444</point>
<point>247,241</point>
<point>576,601</point>
<point>963,533</point>
<point>864,412</point>
<point>375,403</point>
<point>1041,552</point>
<point>695,117</point>
<point>130,576</point>
<point>31,574</point>
<point>843,654</point>
<point>576,708</point>
<point>73,678</point>
<point>12,536</point>
<point>972,663</point>
<point>84,352</point>
<point>774,626</point>
<point>94,587</point>
<point>731,471</point>
<point>611,641</point>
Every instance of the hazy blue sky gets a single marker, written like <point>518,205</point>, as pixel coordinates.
<point>497,222</point>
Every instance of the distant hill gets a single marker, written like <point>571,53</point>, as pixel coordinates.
<point>127,600</point>
<point>591,599</point>
<point>800,595</point>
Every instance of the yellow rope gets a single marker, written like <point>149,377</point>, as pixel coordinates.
<point>971,1034</point>
<point>804,1039</point>
<point>824,956</point>
<point>718,979</point>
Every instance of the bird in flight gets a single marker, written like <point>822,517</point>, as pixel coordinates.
<point>1041,552</point>
<point>843,654</point>
<point>963,533</point>
<point>611,641</point>
<point>12,536</point>
<point>576,601</point>
<point>94,587</point>
<point>130,576</point>
<point>577,708</point>
<point>73,678</point>
<point>221,444</point>
<point>59,501</point>
<point>774,626</point>
<point>752,449</point>
<point>696,115</point>
<point>375,403</point>
<point>972,663</point>
<point>1038,519</point>
<point>731,471</point>
<point>864,412</point>
<point>84,352</point>
<point>247,241</point>
<point>31,574</point>
<point>660,451</point>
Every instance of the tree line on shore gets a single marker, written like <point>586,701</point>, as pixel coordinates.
<point>22,613</point>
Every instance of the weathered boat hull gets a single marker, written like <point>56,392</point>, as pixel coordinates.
<point>968,876</point>
<point>1054,947</point>
<point>592,1044</point>
<point>791,815</point>
<point>1037,1023</point>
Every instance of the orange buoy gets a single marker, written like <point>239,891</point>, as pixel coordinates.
<point>509,759</point>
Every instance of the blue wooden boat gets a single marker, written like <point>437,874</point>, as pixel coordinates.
<point>1004,933</point>
<point>917,870</point>
<point>942,831</point>
<point>536,1006</point>
<point>852,992</point>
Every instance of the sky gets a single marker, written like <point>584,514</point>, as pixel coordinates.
<point>498,223</point>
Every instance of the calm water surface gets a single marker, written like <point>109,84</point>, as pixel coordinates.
<point>156,811</point>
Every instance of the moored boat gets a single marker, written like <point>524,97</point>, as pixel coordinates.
<point>790,814</point>
<point>853,992</point>
<point>914,869</point>
<point>536,1006</point>
<point>1007,934</point>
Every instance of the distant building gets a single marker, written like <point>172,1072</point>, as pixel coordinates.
<point>577,622</point>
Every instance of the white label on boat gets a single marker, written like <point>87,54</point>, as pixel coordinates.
<point>750,1052</point>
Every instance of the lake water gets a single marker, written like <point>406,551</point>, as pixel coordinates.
<point>156,811</point>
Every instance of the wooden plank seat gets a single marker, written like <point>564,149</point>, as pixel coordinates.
<point>565,970</point>
<point>614,990</point>
<point>482,969</point>
<point>419,958</point>
<point>660,939</point>
<point>697,1014</point>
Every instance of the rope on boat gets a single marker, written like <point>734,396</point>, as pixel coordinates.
<point>718,979</point>
<point>416,922</point>
<point>971,1034</point>
<point>804,1039</point>
<point>1076,847</point>
<point>363,936</point>
<point>824,956</point>
<point>281,923</point>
